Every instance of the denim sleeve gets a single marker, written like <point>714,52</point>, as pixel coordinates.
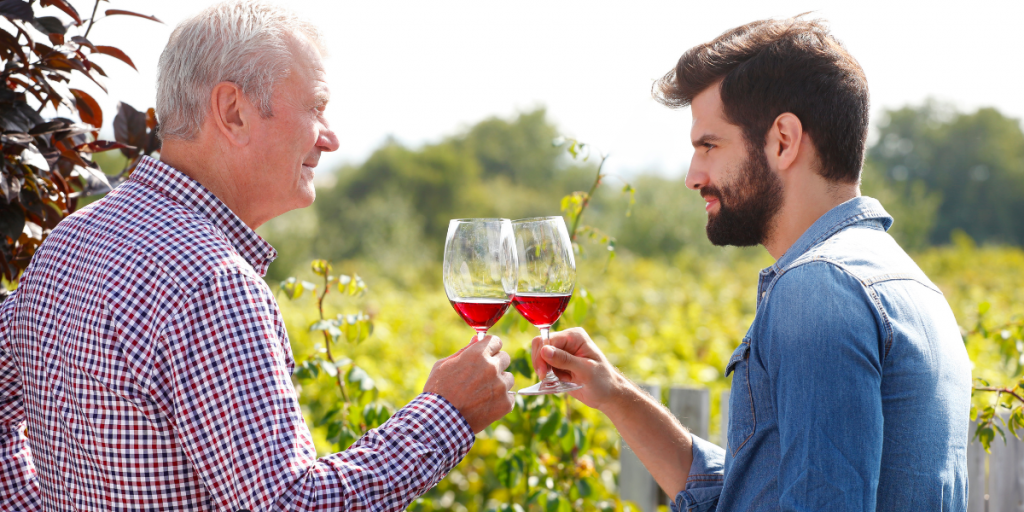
<point>822,346</point>
<point>704,485</point>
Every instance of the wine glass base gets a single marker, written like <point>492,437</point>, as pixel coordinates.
<point>549,388</point>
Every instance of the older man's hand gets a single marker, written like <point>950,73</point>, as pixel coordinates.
<point>474,380</point>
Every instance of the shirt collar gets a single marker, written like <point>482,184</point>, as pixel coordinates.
<point>856,210</point>
<point>193,195</point>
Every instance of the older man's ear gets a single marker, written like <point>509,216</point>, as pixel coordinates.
<point>231,113</point>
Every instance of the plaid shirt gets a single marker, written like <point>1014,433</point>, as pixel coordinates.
<point>151,365</point>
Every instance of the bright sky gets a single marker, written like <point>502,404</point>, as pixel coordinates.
<point>419,71</point>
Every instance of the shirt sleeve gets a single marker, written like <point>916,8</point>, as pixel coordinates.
<point>225,383</point>
<point>704,483</point>
<point>823,350</point>
<point>19,488</point>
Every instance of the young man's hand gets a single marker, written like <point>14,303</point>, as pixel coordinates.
<point>474,380</point>
<point>575,358</point>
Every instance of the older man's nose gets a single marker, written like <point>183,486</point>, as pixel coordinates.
<point>328,141</point>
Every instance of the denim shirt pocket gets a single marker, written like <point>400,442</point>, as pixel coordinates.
<point>742,419</point>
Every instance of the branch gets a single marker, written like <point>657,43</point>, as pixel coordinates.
<point>586,200</point>
<point>92,19</point>
<point>1008,391</point>
<point>327,337</point>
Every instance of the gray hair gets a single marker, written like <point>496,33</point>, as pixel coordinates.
<point>240,41</point>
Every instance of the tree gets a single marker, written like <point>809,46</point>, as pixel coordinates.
<point>394,208</point>
<point>46,166</point>
<point>973,164</point>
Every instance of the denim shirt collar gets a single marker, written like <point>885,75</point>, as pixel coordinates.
<point>856,210</point>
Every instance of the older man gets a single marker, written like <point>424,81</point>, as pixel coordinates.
<point>145,353</point>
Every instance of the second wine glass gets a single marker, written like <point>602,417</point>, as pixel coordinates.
<point>547,276</point>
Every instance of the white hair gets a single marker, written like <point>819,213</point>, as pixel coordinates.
<point>240,41</point>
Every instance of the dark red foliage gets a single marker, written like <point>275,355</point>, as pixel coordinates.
<point>46,165</point>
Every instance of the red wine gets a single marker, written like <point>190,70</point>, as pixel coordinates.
<point>541,309</point>
<point>480,313</point>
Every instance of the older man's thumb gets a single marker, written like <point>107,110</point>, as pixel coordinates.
<point>559,358</point>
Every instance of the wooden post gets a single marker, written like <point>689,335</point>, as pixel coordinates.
<point>635,483</point>
<point>1005,493</point>
<point>692,407</point>
<point>975,473</point>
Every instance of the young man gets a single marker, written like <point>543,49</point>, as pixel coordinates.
<point>144,351</point>
<point>851,388</point>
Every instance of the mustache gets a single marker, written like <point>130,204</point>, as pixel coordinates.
<point>710,190</point>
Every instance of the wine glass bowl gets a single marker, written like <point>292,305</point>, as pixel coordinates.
<point>480,270</point>
<point>546,279</point>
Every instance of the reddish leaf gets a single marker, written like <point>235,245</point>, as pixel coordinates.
<point>151,118</point>
<point>112,12</point>
<point>117,54</point>
<point>17,10</point>
<point>66,7</point>
<point>95,67</point>
<point>56,39</point>
<point>88,109</point>
<point>84,42</point>
<point>98,146</point>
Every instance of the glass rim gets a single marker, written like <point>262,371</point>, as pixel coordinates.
<point>481,219</point>
<point>539,219</point>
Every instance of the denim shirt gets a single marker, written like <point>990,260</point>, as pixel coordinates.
<point>850,391</point>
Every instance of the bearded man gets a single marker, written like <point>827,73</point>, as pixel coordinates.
<point>851,390</point>
<point>144,351</point>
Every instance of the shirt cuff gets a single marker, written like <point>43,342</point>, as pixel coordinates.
<point>448,428</point>
<point>704,484</point>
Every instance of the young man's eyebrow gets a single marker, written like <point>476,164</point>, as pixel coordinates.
<point>705,139</point>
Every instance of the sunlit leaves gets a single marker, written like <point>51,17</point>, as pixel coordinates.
<point>293,288</point>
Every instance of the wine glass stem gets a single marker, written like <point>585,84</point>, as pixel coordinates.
<point>550,377</point>
<point>480,335</point>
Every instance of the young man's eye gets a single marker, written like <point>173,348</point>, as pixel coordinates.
<point>708,146</point>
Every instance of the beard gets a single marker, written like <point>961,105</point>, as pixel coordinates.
<point>747,206</point>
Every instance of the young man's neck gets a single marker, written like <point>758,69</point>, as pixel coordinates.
<point>804,202</point>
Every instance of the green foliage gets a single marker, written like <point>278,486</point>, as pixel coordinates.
<point>664,322</point>
<point>400,200</point>
<point>967,168</point>
<point>360,408</point>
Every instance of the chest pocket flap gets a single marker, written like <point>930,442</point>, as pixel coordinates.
<point>742,417</point>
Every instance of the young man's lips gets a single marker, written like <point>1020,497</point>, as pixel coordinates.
<point>711,202</point>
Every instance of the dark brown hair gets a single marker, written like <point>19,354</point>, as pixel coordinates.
<point>770,67</point>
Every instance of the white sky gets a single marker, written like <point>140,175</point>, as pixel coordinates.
<point>419,70</point>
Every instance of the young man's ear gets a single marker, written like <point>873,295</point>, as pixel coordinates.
<point>784,142</point>
<point>231,113</point>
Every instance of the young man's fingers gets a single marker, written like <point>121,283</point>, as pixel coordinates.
<point>561,359</point>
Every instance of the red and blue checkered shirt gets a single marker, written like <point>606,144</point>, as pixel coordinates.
<point>150,364</point>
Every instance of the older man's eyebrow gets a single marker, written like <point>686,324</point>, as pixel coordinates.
<point>707,138</point>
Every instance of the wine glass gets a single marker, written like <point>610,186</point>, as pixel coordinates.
<point>480,269</point>
<point>547,276</point>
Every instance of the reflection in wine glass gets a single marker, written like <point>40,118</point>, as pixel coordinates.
<point>547,276</point>
<point>480,270</point>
